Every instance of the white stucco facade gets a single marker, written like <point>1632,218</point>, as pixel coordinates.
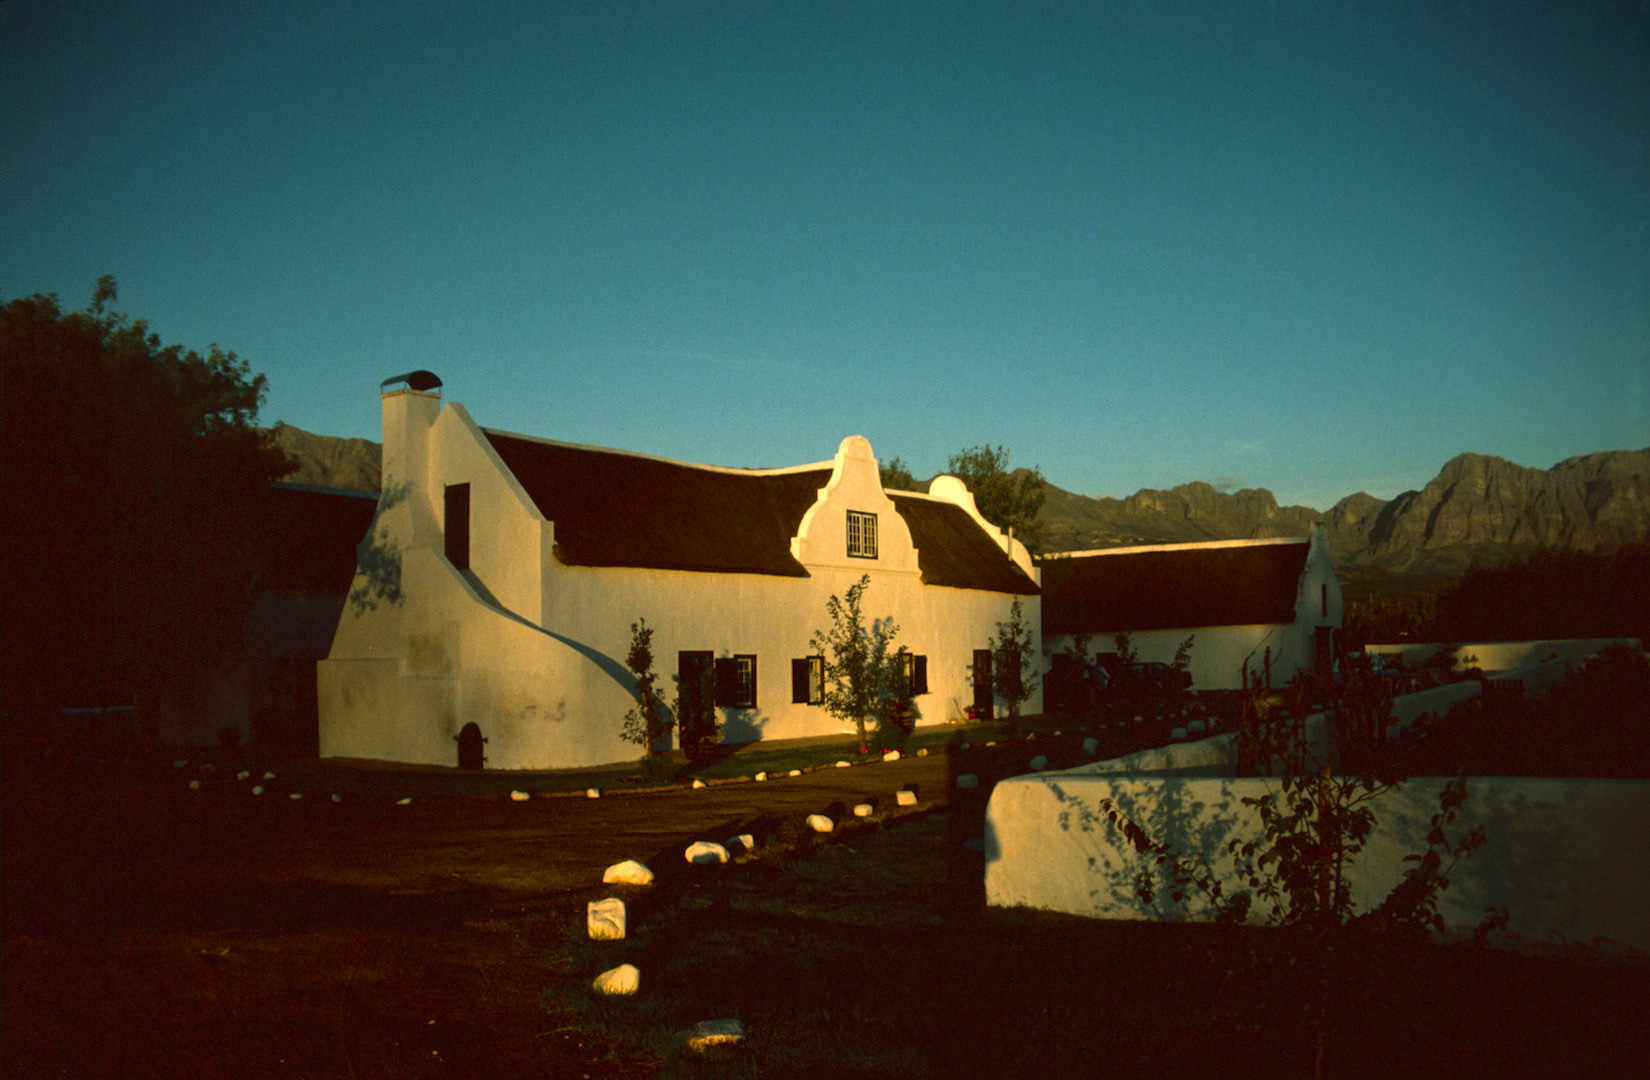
<point>1220,652</point>
<point>532,649</point>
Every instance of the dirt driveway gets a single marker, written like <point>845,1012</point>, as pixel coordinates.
<point>151,930</point>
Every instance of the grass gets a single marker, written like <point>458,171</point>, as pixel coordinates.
<point>870,954</point>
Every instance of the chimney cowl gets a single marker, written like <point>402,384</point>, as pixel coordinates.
<point>416,380</point>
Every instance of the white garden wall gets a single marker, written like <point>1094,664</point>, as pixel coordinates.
<point>1568,859</point>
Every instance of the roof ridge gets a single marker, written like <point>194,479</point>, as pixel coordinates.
<point>1200,545</point>
<point>729,469</point>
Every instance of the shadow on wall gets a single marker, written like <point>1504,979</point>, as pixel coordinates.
<point>743,725</point>
<point>378,558</point>
<point>1170,814</point>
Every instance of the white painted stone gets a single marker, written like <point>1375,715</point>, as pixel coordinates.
<point>704,851</point>
<point>905,798</point>
<point>296,795</point>
<point>243,775</point>
<point>604,919</point>
<point>820,823</point>
<point>963,746</point>
<point>1031,736</point>
<point>629,872</point>
<point>257,789</point>
<point>1091,746</point>
<point>1178,734</point>
<point>519,796</point>
<point>1039,763</point>
<point>864,809</point>
<point>708,1033</point>
<point>1140,719</point>
<point>743,840</point>
<point>991,742</point>
<point>624,979</point>
<point>1197,725</point>
<point>697,783</point>
<point>1057,734</point>
<point>337,798</point>
<point>796,772</point>
<point>404,802</point>
<point>968,780</point>
<point>891,755</point>
<point>923,752</point>
<point>592,793</point>
<point>843,764</point>
<point>269,776</point>
<point>194,785</point>
<point>761,776</point>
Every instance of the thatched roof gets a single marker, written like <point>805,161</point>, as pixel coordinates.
<point>612,508</point>
<point>1175,587</point>
<point>953,550</point>
<point>319,528</point>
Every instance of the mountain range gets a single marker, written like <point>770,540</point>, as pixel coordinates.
<point>1477,509</point>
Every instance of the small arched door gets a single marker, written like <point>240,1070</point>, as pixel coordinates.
<point>470,754</point>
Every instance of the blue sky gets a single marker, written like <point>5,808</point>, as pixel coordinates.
<point>1317,248</point>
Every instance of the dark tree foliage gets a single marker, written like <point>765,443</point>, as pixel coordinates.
<point>1008,499</point>
<point>136,489</point>
<point>1552,594</point>
<point>896,476</point>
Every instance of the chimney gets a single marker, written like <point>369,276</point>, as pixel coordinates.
<point>410,403</point>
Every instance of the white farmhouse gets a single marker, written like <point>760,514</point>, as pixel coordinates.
<point>495,591</point>
<point>1270,607</point>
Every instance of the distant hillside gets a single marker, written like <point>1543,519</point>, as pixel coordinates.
<point>1477,508</point>
<point>330,462</point>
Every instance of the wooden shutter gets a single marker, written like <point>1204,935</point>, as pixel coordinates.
<point>919,678</point>
<point>799,681</point>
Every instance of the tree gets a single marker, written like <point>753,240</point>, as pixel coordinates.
<point>649,722</point>
<point>1013,674</point>
<point>896,476</point>
<point>864,676</point>
<point>1009,500</point>
<point>138,506</point>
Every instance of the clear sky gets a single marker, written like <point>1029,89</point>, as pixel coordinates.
<point>1312,247</point>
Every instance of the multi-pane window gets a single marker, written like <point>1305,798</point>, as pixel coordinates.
<point>862,535</point>
<point>808,680</point>
<point>736,682</point>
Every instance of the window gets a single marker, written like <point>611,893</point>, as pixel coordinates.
<point>916,675</point>
<point>862,535</point>
<point>808,680</point>
<point>456,525</point>
<point>984,698</point>
<point>736,682</point>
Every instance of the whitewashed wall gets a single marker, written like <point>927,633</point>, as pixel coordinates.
<point>533,651</point>
<point>1569,859</point>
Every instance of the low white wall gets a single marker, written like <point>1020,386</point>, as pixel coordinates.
<point>1569,859</point>
<point>1504,656</point>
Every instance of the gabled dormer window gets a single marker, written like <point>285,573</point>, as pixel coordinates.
<point>862,535</point>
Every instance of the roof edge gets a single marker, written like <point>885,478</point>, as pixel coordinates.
<point>1203,545</point>
<point>784,470</point>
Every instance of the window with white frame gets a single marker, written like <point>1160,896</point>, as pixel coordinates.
<point>862,535</point>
